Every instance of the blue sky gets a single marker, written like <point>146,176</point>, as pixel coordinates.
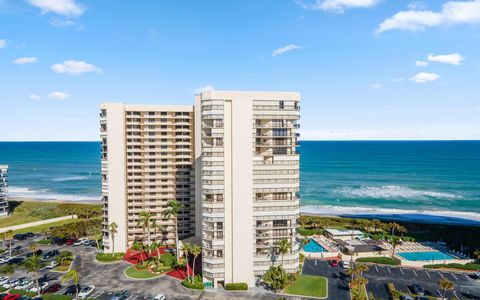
<point>367,69</point>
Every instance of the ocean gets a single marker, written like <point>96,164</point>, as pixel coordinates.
<point>401,179</point>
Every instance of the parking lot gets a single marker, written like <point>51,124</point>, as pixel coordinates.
<point>109,278</point>
<point>401,277</point>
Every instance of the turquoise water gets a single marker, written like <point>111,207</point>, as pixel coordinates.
<point>313,246</point>
<point>336,177</point>
<point>425,256</point>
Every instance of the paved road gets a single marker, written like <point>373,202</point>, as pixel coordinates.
<point>403,278</point>
<point>337,280</point>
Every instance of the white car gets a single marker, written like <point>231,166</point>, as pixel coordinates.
<point>160,297</point>
<point>86,291</point>
<point>346,264</point>
<point>4,260</point>
<point>52,264</point>
<point>80,242</point>
<point>43,286</point>
<point>24,285</point>
<point>11,283</point>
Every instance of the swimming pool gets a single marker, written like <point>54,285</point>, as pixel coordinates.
<point>313,246</point>
<point>425,256</point>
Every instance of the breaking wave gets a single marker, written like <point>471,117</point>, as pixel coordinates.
<point>393,191</point>
<point>45,194</point>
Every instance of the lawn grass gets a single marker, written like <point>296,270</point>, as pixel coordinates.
<point>133,272</point>
<point>23,213</point>
<point>39,228</point>
<point>306,285</point>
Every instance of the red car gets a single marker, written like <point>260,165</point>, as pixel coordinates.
<point>12,297</point>
<point>71,241</point>
<point>52,289</point>
<point>334,263</point>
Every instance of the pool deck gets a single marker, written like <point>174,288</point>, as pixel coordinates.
<point>323,241</point>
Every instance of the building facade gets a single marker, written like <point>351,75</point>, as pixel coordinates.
<point>247,182</point>
<point>230,159</point>
<point>147,160</point>
<point>3,190</point>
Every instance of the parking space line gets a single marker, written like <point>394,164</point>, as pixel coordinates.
<point>389,270</point>
<point>401,270</point>
<point>467,276</point>
<point>376,268</point>
<point>454,276</point>
<point>428,274</point>
<point>415,273</point>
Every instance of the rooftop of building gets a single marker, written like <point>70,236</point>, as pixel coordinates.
<point>343,232</point>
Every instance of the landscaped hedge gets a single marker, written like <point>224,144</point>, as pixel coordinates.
<point>195,286</point>
<point>307,232</point>
<point>45,242</point>
<point>469,266</point>
<point>23,293</point>
<point>55,297</point>
<point>380,260</point>
<point>240,286</point>
<point>394,294</point>
<point>108,257</point>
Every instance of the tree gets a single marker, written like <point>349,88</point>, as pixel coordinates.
<point>402,230</point>
<point>145,219</point>
<point>284,247</point>
<point>362,268</point>
<point>395,242</point>
<point>352,271</point>
<point>8,269</point>
<point>8,237</point>
<point>186,249</point>
<point>33,248</point>
<point>33,265</point>
<point>476,254</point>
<point>196,250</point>
<point>72,275</point>
<point>274,278</point>
<point>356,285</point>
<point>113,231</point>
<point>173,209</point>
<point>445,285</point>
<point>393,226</point>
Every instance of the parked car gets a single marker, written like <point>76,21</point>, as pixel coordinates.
<point>43,285</point>
<point>4,259</point>
<point>12,297</point>
<point>37,253</point>
<point>86,291</point>
<point>24,284</point>
<point>58,241</point>
<point>80,242</point>
<point>71,290</point>
<point>120,295</point>
<point>10,283</point>
<point>333,263</point>
<point>16,260</point>
<point>406,297</point>
<point>20,236</point>
<point>422,298</point>
<point>160,297</point>
<point>51,254</point>
<point>417,289</point>
<point>70,241</point>
<point>29,234</point>
<point>346,264</point>
<point>52,289</point>
<point>90,243</point>
<point>475,275</point>
<point>52,264</point>
<point>3,295</point>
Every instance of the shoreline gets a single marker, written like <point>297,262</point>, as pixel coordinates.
<point>392,214</point>
<point>22,199</point>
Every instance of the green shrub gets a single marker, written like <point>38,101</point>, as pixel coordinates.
<point>108,257</point>
<point>468,266</point>
<point>2,250</point>
<point>23,293</point>
<point>190,285</point>
<point>167,259</point>
<point>307,232</point>
<point>141,266</point>
<point>55,297</point>
<point>394,294</point>
<point>2,289</point>
<point>240,286</point>
<point>45,242</point>
<point>380,260</point>
<point>302,257</point>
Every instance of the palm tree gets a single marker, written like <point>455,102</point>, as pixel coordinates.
<point>33,248</point>
<point>393,226</point>
<point>395,242</point>
<point>195,251</point>
<point>284,247</point>
<point>186,249</point>
<point>33,265</point>
<point>145,219</point>
<point>402,230</point>
<point>113,230</point>
<point>8,236</point>
<point>173,209</point>
<point>476,254</point>
<point>352,271</point>
<point>362,268</point>
<point>72,275</point>
<point>445,285</point>
<point>8,269</point>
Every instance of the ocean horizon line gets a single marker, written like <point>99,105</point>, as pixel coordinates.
<point>300,140</point>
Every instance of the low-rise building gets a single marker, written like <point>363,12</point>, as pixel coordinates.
<point>342,234</point>
<point>3,190</point>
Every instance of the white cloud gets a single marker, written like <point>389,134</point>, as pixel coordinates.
<point>285,49</point>
<point>204,89</point>
<point>59,95</point>
<point>34,97</point>
<point>74,67</point>
<point>417,5</point>
<point>424,77</point>
<point>452,59</point>
<point>338,6</point>
<point>452,13</point>
<point>25,60</point>
<point>67,8</point>
<point>375,85</point>
<point>3,43</point>
<point>421,63</point>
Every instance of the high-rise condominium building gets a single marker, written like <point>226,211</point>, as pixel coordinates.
<point>3,190</point>
<point>247,182</point>
<point>232,162</point>
<point>147,160</point>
